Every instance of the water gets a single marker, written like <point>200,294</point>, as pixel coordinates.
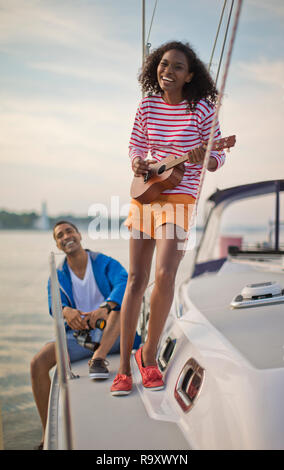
<point>25,324</point>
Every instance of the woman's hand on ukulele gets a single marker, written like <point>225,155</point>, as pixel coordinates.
<point>140,166</point>
<point>196,156</point>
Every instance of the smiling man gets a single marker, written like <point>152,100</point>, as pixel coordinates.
<point>92,286</point>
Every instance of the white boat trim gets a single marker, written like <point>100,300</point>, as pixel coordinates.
<point>126,423</point>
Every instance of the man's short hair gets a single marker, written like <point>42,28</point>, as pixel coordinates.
<point>60,222</point>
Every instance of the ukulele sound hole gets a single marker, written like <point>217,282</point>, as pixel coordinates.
<point>161,169</point>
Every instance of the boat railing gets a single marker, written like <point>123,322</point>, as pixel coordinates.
<point>64,371</point>
<point>272,231</point>
<point>1,432</point>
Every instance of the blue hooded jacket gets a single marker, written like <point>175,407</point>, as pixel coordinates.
<point>110,276</point>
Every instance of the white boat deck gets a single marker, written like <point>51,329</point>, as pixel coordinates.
<point>257,332</point>
<point>122,422</point>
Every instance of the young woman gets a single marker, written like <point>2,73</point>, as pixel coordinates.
<point>175,118</point>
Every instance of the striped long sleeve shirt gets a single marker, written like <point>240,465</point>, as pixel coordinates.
<point>164,129</point>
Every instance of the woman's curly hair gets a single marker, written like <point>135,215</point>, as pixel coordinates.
<point>200,86</point>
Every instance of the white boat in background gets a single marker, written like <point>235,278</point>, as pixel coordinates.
<point>221,355</point>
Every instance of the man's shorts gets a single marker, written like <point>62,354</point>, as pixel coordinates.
<point>77,352</point>
<point>174,209</point>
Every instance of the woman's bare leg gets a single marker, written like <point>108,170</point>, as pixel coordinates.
<point>140,260</point>
<point>168,258</point>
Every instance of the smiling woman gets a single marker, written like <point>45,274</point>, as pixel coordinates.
<point>193,78</point>
<point>175,119</point>
<point>172,74</point>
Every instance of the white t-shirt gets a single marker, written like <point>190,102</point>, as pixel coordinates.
<point>87,296</point>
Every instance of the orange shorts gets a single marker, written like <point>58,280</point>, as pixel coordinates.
<point>167,208</point>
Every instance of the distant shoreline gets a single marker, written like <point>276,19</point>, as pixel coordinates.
<point>34,221</point>
<point>247,228</point>
<point>30,222</point>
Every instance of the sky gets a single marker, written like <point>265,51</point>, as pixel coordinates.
<point>69,93</point>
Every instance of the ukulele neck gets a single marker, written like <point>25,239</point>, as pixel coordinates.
<point>176,162</point>
<point>218,145</point>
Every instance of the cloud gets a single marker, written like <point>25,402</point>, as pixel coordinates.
<point>70,24</point>
<point>253,110</point>
<point>67,106</point>
<point>91,73</point>
<point>275,8</point>
<point>263,71</point>
<point>54,133</point>
<point>32,19</point>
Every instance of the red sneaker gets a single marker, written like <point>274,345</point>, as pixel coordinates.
<point>151,376</point>
<point>122,385</point>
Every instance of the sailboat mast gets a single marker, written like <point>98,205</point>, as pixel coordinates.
<point>143,31</point>
<point>143,36</point>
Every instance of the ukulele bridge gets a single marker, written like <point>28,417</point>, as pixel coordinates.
<point>149,173</point>
<point>147,177</point>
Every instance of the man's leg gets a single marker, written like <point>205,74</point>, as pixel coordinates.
<point>42,363</point>
<point>40,367</point>
<point>109,343</point>
<point>110,335</point>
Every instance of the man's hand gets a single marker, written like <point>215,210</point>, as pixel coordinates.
<point>74,319</point>
<point>92,317</point>
<point>99,313</point>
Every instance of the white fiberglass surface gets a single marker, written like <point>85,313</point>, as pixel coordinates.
<point>248,329</point>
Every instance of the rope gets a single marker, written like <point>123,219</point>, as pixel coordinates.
<point>220,96</point>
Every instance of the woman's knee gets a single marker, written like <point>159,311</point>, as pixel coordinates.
<point>137,281</point>
<point>165,277</point>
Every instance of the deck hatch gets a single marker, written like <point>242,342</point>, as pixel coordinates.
<point>166,353</point>
<point>263,293</point>
<point>189,384</point>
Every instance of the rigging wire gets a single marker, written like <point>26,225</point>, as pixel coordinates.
<point>224,42</point>
<point>146,45</point>
<point>154,10</point>
<point>212,132</point>
<point>217,35</point>
<point>143,31</point>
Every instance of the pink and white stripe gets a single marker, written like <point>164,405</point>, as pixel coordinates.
<point>163,129</point>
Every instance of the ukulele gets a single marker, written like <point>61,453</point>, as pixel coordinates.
<point>167,174</point>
